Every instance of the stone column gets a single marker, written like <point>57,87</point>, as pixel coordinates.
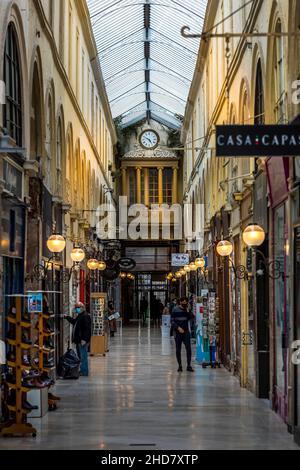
<point>124,182</point>
<point>175,186</point>
<point>160,185</point>
<point>138,185</point>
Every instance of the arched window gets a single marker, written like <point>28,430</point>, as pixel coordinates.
<point>259,105</point>
<point>280,93</point>
<point>12,77</point>
<point>48,146</point>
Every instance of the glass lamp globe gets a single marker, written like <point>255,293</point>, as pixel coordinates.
<point>183,272</point>
<point>193,267</point>
<point>254,235</point>
<point>56,243</point>
<point>200,262</point>
<point>101,265</point>
<point>92,264</point>
<point>123,275</point>
<point>187,269</point>
<point>178,275</point>
<point>174,279</point>
<point>224,248</point>
<point>77,255</point>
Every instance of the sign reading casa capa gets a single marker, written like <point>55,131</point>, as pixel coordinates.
<point>257,141</point>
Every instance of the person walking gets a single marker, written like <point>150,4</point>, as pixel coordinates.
<point>113,322</point>
<point>81,336</point>
<point>180,319</point>
<point>143,309</point>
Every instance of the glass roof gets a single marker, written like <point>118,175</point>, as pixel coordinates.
<point>146,64</point>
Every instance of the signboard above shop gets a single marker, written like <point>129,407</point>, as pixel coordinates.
<point>258,141</point>
<point>180,259</point>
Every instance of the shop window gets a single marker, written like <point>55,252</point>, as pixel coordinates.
<point>259,97</point>
<point>280,299</point>
<point>280,98</point>
<point>153,186</point>
<point>13,109</point>
<point>132,187</point>
<point>12,231</point>
<point>167,185</point>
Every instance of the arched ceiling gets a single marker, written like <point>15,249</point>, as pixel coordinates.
<point>146,64</point>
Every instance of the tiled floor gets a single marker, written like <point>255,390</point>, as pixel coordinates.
<point>134,396</point>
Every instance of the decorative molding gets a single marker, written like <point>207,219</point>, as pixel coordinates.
<point>31,167</point>
<point>142,154</point>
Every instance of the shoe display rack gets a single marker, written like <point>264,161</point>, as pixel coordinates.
<point>16,385</point>
<point>99,334</point>
<point>45,345</point>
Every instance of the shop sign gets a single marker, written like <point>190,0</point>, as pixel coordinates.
<point>180,259</point>
<point>257,141</point>
<point>13,179</point>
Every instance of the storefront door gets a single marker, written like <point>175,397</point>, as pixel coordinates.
<point>297,329</point>
<point>281,313</point>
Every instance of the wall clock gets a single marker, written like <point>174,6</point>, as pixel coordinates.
<point>149,139</point>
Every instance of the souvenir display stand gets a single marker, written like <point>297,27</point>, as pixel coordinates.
<point>208,334</point>
<point>17,424</point>
<point>99,339</point>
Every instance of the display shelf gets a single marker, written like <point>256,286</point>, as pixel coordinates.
<point>48,317</point>
<point>14,409</point>
<point>17,429</point>
<point>25,324</point>
<point>47,369</point>
<point>45,350</point>
<point>12,342</point>
<point>15,387</point>
<point>49,334</point>
<point>11,364</point>
<point>12,320</point>
<point>19,425</point>
<point>26,367</point>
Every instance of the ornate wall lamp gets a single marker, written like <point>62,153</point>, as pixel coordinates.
<point>253,237</point>
<point>56,244</point>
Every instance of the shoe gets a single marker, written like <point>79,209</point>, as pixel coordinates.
<point>190,369</point>
<point>11,356</point>
<point>26,361</point>
<point>53,397</point>
<point>35,383</point>
<point>27,406</point>
<point>31,375</point>
<point>11,334</point>
<point>26,340</point>
<point>48,365</point>
<point>10,378</point>
<point>180,369</point>
<point>26,317</point>
<point>49,344</point>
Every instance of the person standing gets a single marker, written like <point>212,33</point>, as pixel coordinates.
<point>81,336</point>
<point>180,319</point>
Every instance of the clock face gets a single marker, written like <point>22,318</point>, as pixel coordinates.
<point>149,139</point>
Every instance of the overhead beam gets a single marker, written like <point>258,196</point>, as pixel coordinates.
<point>147,51</point>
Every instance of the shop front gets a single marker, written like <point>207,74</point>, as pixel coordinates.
<point>261,292</point>
<point>12,232</point>
<point>278,174</point>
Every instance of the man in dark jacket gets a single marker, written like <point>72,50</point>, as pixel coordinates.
<point>81,337</point>
<point>180,324</point>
